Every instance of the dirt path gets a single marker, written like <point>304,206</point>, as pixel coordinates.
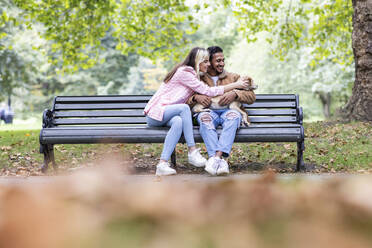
<point>181,178</point>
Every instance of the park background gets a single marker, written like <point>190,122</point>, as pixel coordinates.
<point>66,47</point>
<point>71,47</point>
<point>301,47</point>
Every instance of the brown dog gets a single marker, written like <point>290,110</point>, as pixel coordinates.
<point>233,105</point>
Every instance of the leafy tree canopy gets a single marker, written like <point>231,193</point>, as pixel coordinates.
<point>156,29</point>
<point>146,27</point>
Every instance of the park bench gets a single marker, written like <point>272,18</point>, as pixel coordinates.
<point>120,119</point>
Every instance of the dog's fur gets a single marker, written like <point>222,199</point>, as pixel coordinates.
<point>236,105</point>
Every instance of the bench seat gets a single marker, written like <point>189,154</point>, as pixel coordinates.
<point>114,134</point>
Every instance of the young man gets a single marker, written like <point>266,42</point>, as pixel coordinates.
<point>219,148</point>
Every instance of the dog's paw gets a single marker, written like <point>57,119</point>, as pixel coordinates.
<point>205,110</point>
<point>245,123</point>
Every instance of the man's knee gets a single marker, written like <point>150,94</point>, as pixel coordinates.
<point>233,115</point>
<point>206,119</point>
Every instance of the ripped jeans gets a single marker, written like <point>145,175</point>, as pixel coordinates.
<point>229,120</point>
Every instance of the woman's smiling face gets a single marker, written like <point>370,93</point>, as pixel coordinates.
<point>203,66</point>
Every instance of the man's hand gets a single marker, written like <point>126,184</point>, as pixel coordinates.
<point>227,98</point>
<point>203,100</point>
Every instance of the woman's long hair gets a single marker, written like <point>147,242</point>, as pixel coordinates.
<point>193,59</point>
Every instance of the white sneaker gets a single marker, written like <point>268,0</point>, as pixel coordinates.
<point>212,165</point>
<point>196,159</point>
<point>223,169</point>
<point>163,169</point>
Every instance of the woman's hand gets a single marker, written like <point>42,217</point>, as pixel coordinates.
<point>242,84</point>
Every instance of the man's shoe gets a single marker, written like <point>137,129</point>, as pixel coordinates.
<point>223,169</point>
<point>212,165</point>
<point>163,169</point>
<point>196,159</point>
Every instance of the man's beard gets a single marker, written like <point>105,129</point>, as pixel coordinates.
<point>216,69</point>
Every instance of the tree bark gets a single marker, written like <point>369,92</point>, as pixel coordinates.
<point>359,106</point>
<point>325,98</point>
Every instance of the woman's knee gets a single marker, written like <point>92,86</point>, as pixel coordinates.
<point>185,108</point>
<point>177,122</point>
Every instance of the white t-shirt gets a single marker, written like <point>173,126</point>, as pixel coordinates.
<point>215,78</point>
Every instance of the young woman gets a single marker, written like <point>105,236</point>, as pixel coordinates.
<point>167,106</point>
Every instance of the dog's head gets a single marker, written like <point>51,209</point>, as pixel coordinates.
<point>252,85</point>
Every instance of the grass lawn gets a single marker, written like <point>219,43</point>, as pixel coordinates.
<point>330,147</point>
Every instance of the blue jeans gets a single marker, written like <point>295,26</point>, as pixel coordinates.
<point>209,121</point>
<point>178,118</point>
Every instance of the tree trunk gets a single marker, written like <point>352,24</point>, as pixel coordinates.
<point>359,106</point>
<point>9,101</point>
<point>325,99</point>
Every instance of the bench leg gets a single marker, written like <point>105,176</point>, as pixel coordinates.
<point>44,150</point>
<point>52,159</point>
<point>300,157</point>
<point>173,158</point>
<point>48,151</point>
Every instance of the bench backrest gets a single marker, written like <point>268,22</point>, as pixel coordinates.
<point>111,110</point>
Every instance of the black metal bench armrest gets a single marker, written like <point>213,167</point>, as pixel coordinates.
<point>47,118</point>
<point>300,115</point>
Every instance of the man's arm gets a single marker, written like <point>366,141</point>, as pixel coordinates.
<point>197,98</point>
<point>246,96</point>
<point>191,101</point>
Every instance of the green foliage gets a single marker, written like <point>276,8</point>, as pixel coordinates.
<point>311,37</point>
<point>27,75</point>
<point>330,30</point>
<point>323,25</point>
<point>77,28</point>
<point>218,29</point>
<point>17,60</point>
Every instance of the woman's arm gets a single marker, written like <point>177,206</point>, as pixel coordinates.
<point>237,85</point>
<point>188,78</point>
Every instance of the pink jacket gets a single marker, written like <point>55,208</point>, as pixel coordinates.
<point>182,85</point>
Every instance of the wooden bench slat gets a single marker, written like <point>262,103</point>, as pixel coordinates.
<point>93,121</point>
<point>275,97</point>
<point>102,99</point>
<point>145,131</point>
<point>145,98</point>
<point>141,105</point>
<point>100,113</point>
<point>139,113</point>
<point>271,119</point>
<point>117,127</point>
<point>142,120</point>
<point>93,106</point>
<point>270,105</point>
<point>268,112</point>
